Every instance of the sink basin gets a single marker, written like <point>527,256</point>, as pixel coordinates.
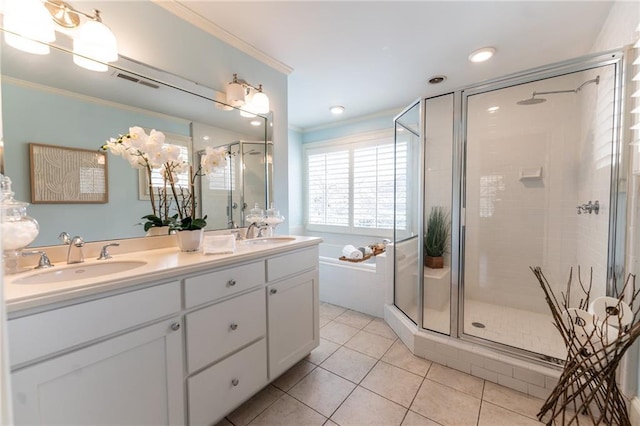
<point>269,240</point>
<point>79,272</point>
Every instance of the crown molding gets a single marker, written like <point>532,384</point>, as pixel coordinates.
<point>199,21</point>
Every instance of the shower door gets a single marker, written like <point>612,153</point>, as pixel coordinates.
<point>407,213</point>
<point>534,170</point>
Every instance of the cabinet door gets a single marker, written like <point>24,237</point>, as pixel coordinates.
<point>292,310</point>
<point>134,379</point>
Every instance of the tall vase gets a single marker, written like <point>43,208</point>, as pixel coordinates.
<point>190,240</point>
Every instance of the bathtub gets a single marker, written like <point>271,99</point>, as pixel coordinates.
<point>358,286</point>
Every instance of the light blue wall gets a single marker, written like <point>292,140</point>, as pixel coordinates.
<point>352,128</point>
<point>54,119</point>
<point>295,182</point>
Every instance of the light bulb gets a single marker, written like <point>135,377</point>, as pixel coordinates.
<point>482,55</point>
<point>247,110</point>
<point>94,46</point>
<point>28,26</point>
<point>235,94</point>
<point>260,103</point>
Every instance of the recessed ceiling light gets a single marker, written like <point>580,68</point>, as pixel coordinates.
<point>437,79</point>
<point>255,122</point>
<point>337,109</point>
<point>482,55</point>
<point>493,109</point>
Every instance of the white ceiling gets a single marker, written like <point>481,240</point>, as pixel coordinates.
<point>373,56</point>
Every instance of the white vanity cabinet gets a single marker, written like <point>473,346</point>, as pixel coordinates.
<point>292,306</point>
<point>226,339</point>
<point>134,377</point>
<point>188,349</point>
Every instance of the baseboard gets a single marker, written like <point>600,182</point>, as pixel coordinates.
<point>634,411</point>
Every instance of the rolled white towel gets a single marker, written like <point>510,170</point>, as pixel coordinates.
<point>350,252</point>
<point>366,251</point>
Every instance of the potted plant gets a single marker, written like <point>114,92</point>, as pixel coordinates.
<point>173,205</point>
<point>436,237</point>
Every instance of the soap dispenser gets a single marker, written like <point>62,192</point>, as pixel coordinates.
<point>18,229</point>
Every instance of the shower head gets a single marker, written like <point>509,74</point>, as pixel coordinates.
<point>532,100</point>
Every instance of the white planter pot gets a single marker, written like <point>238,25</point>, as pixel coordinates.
<point>190,240</point>
<point>157,230</point>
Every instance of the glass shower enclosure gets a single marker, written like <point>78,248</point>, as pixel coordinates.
<point>240,186</point>
<point>527,168</point>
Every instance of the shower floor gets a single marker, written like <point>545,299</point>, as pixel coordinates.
<point>522,329</point>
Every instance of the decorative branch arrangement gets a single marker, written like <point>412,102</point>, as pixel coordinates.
<point>597,334</point>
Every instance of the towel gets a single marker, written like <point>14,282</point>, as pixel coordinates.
<point>219,244</point>
<point>366,251</point>
<point>350,252</point>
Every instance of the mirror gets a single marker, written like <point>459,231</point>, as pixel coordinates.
<point>50,100</point>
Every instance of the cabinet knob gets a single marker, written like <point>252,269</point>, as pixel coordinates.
<point>231,283</point>
<point>273,291</point>
<point>235,382</point>
<point>175,326</point>
<point>233,326</point>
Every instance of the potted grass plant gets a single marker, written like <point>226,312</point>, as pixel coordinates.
<point>436,237</point>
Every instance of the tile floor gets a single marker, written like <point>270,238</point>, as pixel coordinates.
<point>519,328</point>
<point>362,374</point>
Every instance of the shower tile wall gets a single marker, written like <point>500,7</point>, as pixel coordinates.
<point>514,223</point>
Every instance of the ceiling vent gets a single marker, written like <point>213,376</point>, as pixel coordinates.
<point>134,79</point>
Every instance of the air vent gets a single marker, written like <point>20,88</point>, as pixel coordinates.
<point>127,77</point>
<point>133,79</point>
<point>149,84</point>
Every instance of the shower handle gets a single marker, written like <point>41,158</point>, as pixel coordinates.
<point>590,207</point>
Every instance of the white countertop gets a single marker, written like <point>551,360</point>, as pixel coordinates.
<point>161,264</point>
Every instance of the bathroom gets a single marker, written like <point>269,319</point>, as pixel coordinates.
<point>373,292</point>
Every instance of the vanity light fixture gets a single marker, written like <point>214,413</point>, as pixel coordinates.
<point>255,122</point>
<point>483,54</point>
<point>29,26</point>
<point>337,109</point>
<point>493,109</point>
<point>251,99</point>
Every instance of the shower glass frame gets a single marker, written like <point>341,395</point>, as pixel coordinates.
<point>617,214</point>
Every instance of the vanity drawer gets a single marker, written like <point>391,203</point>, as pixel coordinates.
<point>218,330</point>
<point>220,388</point>
<point>292,263</point>
<point>35,336</point>
<point>222,283</point>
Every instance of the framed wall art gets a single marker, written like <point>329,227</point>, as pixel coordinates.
<point>62,175</point>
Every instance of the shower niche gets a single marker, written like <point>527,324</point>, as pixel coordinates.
<point>514,162</point>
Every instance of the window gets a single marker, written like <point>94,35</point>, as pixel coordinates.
<point>350,186</point>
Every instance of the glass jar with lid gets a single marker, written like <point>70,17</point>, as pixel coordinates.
<point>18,229</point>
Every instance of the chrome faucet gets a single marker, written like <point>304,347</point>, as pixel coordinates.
<point>589,207</point>
<point>104,253</point>
<point>75,255</point>
<point>258,234</point>
<point>44,261</point>
<point>64,237</point>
